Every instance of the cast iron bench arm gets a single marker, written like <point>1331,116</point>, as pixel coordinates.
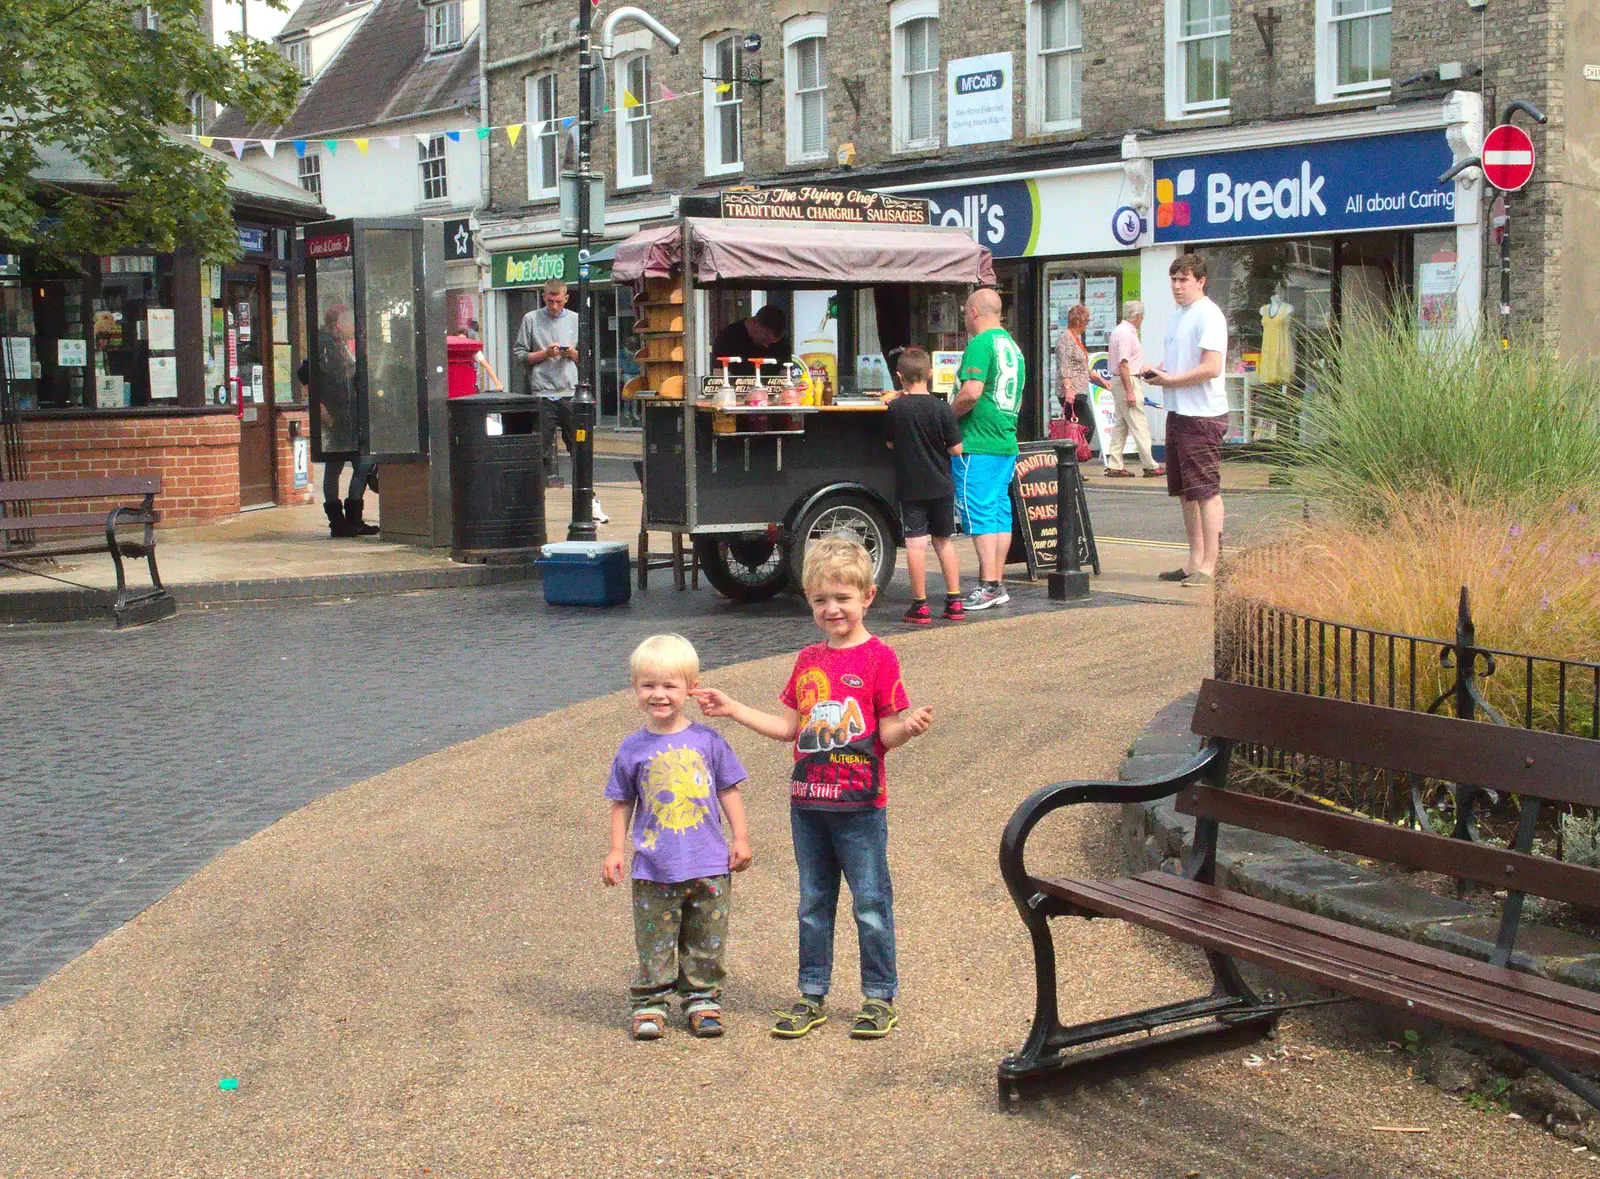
<point>1050,798</point>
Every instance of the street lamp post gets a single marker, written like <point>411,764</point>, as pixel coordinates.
<point>583,401</point>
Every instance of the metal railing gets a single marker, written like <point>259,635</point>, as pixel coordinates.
<point>1263,645</point>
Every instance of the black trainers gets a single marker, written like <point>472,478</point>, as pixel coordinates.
<point>874,1021</point>
<point>918,614</point>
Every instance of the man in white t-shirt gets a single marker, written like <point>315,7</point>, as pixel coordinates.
<point>1197,416</point>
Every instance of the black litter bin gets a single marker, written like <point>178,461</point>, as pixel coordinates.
<point>497,478</point>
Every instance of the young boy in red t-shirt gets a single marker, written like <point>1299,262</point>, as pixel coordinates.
<point>844,709</point>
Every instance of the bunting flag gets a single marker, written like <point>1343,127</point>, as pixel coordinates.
<point>514,130</point>
<point>455,136</point>
<point>666,94</point>
<point>361,145</point>
<point>724,87</point>
<point>483,132</point>
<point>270,146</point>
<point>204,140</point>
<point>393,141</point>
<point>300,148</point>
<point>568,121</point>
<point>332,145</point>
<point>238,148</point>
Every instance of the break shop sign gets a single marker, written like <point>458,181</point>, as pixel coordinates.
<point>1033,513</point>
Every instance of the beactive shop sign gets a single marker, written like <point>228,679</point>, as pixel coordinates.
<point>1382,182</point>
<point>526,268</point>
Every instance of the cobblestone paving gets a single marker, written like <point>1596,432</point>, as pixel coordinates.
<point>133,758</point>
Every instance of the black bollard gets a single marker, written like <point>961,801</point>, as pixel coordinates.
<point>1068,581</point>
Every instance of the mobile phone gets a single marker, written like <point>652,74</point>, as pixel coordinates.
<point>1147,374</point>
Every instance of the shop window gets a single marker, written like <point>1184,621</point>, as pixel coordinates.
<point>310,166</point>
<point>915,49</point>
<point>632,105</point>
<point>298,53</point>
<point>431,166</point>
<point>806,82</point>
<point>1055,65</point>
<point>197,113</point>
<point>444,26</point>
<point>1199,57</point>
<point>723,105</point>
<point>544,155</point>
<point>1352,48</point>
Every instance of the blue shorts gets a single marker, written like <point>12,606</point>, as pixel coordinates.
<point>983,491</point>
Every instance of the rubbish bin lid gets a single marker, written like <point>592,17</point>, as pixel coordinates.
<point>583,548</point>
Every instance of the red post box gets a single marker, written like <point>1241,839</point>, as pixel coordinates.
<point>463,365</point>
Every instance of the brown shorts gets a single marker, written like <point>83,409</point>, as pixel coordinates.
<point>1194,456</point>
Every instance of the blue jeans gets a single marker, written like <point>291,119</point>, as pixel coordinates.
<point>856,844</point>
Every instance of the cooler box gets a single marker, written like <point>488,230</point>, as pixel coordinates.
<point>585,573</point>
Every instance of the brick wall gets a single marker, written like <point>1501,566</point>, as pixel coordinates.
<point>1519,47</point>
<point>197,458</point>
<point>287,493</point>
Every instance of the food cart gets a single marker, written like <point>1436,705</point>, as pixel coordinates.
<point>753,483</point>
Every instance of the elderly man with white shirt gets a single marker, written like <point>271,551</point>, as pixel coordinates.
<point>1126,362</point>
<point>1197,416</point>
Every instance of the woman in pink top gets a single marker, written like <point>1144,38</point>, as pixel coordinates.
<point>1075,375</point>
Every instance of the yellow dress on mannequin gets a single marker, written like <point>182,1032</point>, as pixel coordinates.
<point>1277,344</point>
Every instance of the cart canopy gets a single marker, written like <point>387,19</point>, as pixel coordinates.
<point>753,252</point>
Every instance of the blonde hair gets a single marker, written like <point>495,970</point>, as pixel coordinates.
<point>667,655</point>
<point>838,558</point>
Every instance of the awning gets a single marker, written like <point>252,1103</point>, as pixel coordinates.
<point>742,251</point>
<point>650,253</point>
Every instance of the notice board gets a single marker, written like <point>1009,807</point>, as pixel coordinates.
<point>1033,513</point>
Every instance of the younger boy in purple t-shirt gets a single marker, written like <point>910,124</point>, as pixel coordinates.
<point>671,775</point>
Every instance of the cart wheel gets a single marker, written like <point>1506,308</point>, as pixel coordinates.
<point>746,566</point>
<point>853,516</point>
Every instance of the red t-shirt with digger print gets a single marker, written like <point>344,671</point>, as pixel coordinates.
<point>840,693</point>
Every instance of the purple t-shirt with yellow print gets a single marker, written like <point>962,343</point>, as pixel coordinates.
<point>674,781</point>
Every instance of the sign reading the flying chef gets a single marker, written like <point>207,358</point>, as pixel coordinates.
<point>807,202</point>
<point>1381,182</point>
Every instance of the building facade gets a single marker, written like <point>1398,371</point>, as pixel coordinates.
<point>1087,142</point>
<point>386,126</point>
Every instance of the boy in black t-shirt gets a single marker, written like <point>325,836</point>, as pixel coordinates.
<point>924,434</point>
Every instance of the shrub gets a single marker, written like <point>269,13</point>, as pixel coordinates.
<point>1396,413</point>
<point>1533,576</point>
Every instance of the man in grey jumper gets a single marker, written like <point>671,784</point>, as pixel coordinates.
<point>546,348</point>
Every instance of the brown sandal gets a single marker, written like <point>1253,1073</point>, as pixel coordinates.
<point>1118,473</point>
<point>647,1025</point>
<point>706,1022</point>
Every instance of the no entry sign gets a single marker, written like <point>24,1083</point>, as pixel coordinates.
<point>1507,157</point>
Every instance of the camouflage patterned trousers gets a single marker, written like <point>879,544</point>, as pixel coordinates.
<point>681,931</point>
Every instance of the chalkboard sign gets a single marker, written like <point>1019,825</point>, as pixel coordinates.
<point>1033,512</point>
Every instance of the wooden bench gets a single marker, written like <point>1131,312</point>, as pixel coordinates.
<point>128,609</point>
<point>1551,1025</point>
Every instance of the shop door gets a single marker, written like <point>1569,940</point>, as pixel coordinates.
<point>250,379</point>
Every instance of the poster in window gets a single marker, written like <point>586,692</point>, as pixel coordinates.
<point>258,384</point>
<point>1100,296</point>
<point>945,367</point>
<point>163,378</point>
<point>280,305</point>
<point>161,329</point>
<point>72,353</point>
<point>1436,292</point>
<point>282,374</point>
<point>18,357</point>
<point>108,391</point>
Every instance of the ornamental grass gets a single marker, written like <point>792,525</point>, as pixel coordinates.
<point>1533,576</point>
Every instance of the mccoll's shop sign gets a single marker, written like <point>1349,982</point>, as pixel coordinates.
<point>1380,182</point>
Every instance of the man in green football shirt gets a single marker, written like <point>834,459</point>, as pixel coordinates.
<point>991,394</point>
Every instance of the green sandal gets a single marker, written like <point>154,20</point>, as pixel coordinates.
<point>874,1020</point>
<point>802,1016</point>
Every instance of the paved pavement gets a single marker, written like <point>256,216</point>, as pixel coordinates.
<point>421,975</point>
<point>133,758</point>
